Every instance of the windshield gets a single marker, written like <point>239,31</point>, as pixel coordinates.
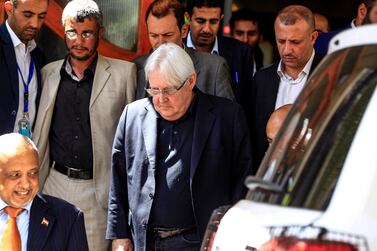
<point>308,154</point>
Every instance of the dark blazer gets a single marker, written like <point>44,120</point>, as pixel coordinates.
<point>265,90</point>
<point>213,76</point>
<point>55,225</point>
<point>9,91</point>
<point>240,60</point>
<point>238,55</point>
<point>220,161</point>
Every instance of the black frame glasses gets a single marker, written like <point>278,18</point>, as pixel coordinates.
<point>166,91</point>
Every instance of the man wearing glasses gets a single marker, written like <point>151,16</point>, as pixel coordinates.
<point>82,99</point>
<point>177,156</point>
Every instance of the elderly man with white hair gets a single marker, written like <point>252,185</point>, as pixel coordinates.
<point>82,99</point>
<point>177,156</point>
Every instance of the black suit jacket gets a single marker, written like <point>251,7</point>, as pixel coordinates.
<point>55,225</point>
<point>265,90</point>
<point>240,61</point>
<point>238,55</point>
<point>220,161</point>
<point>9,89</point>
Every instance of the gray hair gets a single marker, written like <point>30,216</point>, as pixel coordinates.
<point>292,13</point>
<point>81,9</point>
<point>172,62</point>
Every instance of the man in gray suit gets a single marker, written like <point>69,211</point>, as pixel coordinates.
<point>82,99</point>
<point>165,23</point>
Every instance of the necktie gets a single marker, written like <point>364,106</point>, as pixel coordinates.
<point>11,240</point>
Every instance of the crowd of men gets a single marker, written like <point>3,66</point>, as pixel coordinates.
<point>137,155</point>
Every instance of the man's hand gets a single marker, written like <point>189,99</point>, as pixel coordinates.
<point>122,245</point>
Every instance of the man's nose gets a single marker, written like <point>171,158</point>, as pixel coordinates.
<point>206,27</point>
<point>244,38</point>
<point>34,21</point>
<point>287,48</point>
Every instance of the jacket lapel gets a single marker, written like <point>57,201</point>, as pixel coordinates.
<point>204,121</point>
<point>47,102</point>
<point>10,58</point>
<point>40,225</point>
<point>100,78</point>
<point>149,127</point>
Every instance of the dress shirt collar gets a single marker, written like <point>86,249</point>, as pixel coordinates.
<point>283,75</point>
<point>67,68</point>
<point>4,205</point>
<point>215,48</point>
<point>353,25</point>
<point>17,42</point>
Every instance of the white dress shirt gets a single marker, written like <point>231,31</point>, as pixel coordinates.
<point>190,44</point>
<point>23,58</point>
<point>23,220</point>
<point>290,88</point>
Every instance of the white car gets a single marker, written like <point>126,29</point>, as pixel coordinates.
<point>316,188</point>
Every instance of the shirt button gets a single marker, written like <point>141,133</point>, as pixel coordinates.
<point>151,195</point>
<point>77,118</point>
<point>75,156</point>
<point>76,137</point>
<point>13,113</point>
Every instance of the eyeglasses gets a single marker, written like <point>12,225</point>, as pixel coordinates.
<point>166,91</point>
<point>86,35</point>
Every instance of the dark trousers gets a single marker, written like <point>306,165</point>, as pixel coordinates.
<point>188,241</point>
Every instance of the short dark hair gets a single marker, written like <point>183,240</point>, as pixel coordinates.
<point>292,13</point>
<point>244,14</point>
<point>162,8</point>
<point>204,3</point>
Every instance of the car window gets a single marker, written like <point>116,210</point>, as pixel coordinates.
<point>307,158</point>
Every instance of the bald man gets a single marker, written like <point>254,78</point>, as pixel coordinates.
<point>43,222</point>
<point>275,121</point>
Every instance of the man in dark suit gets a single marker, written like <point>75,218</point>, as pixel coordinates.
<point>245,26</point>
<point>20,61</point>
<point>281,83</point>
<point>177,156</point>
<point>43,222</point>
<point>204,18</point>
<point>366,14</point>
<point>164,19</point>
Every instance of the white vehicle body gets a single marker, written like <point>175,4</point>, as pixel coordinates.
<point>352,205</point>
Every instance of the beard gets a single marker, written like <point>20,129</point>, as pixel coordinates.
<point>85,57</point>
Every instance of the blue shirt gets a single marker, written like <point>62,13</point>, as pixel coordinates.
<point>23,220</point>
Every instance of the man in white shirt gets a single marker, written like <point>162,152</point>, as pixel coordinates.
<point>281,83</point>
<point>20,62</point>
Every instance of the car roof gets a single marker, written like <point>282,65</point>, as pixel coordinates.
<point>363,35</point>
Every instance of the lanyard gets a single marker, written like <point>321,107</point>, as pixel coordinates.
<point>26,84</point>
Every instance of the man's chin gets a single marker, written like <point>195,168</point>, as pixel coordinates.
<point>80,58</point>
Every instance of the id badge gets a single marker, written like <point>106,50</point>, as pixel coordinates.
<point>24,126</point>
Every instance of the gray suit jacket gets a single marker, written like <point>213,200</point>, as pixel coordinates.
<point>113,88</point>
<point>213,74</point>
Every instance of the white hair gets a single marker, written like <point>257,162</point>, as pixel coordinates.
<point>81,9</point>
<point>172,62</point>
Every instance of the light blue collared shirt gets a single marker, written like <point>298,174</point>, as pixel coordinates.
<point>23,220</point>
<point>215,48</point>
